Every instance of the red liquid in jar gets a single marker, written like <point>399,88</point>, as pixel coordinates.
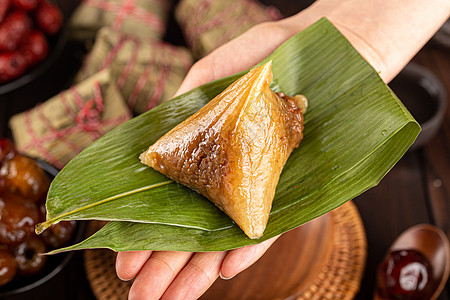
<point>405,275</point>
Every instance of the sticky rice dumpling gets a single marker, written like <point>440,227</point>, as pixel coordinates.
<point>232,150</point>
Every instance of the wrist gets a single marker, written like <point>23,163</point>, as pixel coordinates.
<point>386,33</point>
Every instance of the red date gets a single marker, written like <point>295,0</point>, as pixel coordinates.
<point>49,18</point>
<point>13,29</point>
<point>12,65</point>
<point>25,4</point>
<point>405,275</point>
<point>35,48</point>
<point>25,26</point>
<point>4,6</point>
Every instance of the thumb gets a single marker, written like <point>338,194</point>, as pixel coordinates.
<point>200,73</point>
<point>239,54</point>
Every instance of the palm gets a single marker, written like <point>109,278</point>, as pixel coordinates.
<point>188,275</point>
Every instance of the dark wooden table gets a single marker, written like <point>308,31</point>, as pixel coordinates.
<point>416,190</point>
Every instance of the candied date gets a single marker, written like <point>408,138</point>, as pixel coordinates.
<point>17,218</point>
<point>22,175</point>
<point>7,149</point>
<point>28,258</point>
<point>8,266</point>
<point>58,235</point>
<point>405,275</point>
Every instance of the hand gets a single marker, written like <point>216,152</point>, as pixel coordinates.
<point>386,40</point>
<point>182,275</point>
<point>187,275</point>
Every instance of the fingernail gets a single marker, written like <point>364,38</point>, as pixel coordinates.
<point>124,279</point>
<point>223,277</point>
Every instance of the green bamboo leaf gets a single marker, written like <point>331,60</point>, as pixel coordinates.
<point>355,131</point>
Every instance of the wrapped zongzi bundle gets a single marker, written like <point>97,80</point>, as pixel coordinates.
<point>146,72</point>
<point>58,129</point>
<point>140,18</point>
<point>207,24</point>
<point>233,150</point>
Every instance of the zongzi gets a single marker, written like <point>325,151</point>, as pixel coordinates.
<point>232,150</point>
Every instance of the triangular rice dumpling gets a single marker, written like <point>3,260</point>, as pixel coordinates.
<point>233,149</point>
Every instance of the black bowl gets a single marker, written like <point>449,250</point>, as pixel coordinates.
<point>424,96</point>
<point>54,263</point>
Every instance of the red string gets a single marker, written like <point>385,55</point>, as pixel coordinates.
<point>163,75</point>
<point>164,65</point>
<point>66,105</point>
<point>130,65</point>
<point>198,25</point>
<point>57,134</point>
<point>88,119</point>
<point>36,143</point>
<point>108,60</point>
<point>140,84</point>
<point>113,53</point>
<point>129,8</point>
<point>126,9</point>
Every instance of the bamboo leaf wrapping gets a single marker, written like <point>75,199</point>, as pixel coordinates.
<point>355,131</point>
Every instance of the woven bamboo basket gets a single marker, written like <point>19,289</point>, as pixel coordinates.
<point>336,274</point>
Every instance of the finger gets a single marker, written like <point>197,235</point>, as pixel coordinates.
<point>200,73</point>
<point>128,263</point>
<point>240,259</point>
<point>198,275</point>
<point>157,274</point>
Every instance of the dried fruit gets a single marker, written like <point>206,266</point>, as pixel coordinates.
<point>18,217</point>
<point>59,235</point>
<point>24,25</point>
<point>23,185</point>
<point>13,29</point>
<point>25,4</point>
<point>405,275</point>
<point>49,18</point>
<point>12,65</point>
<point>8,266</point>
<point>4,6</point>
<point>22,175</point>
<point>28,258</point>
<point>7,150</point>
<point>35,48</point>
